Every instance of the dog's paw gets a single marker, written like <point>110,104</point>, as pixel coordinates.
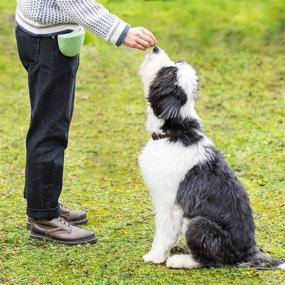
<point>154,257</point>
<point>182,261</point>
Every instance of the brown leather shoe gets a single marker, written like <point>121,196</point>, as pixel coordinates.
<point>59,230</point>
<point>74,217</point>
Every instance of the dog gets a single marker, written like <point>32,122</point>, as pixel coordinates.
<point>193,189</point>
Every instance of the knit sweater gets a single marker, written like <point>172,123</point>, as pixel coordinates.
<point>48,17</point>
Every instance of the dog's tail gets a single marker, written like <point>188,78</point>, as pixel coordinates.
<point>263,261</point>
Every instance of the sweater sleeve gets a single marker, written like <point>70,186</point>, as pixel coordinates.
<point>96,18</point>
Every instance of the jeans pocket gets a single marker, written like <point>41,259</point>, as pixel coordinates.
<point>28,48</point>
<point>65,64</point>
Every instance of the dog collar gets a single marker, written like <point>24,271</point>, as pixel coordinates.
<point>156,137</point>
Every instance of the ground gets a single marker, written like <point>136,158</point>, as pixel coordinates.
<point>237,48</point>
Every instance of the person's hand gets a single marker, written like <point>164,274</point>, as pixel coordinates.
<point>139,38</point>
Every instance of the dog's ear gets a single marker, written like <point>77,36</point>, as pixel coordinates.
<point>165,96</point>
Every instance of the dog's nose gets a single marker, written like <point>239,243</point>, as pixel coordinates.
<point>156,50</point>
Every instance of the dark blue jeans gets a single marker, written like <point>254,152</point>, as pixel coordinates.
<point>51,79</point>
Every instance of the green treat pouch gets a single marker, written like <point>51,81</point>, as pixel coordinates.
<point>70,44</point>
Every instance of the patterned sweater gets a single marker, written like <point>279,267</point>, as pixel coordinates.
<point>47,17</point>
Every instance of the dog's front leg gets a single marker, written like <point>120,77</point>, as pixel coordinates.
<point>168,223</point>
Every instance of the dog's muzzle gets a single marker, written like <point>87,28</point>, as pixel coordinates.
<point>156,49</point>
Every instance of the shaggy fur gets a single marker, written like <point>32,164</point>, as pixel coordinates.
<point>193,189</point>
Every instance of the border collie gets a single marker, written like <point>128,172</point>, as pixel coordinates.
<point>193,189</point>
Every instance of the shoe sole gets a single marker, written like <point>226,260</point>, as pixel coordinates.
<point>74,223</point>
<point>91,240</point>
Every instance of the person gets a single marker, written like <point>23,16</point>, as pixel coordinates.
<point>51,80</point>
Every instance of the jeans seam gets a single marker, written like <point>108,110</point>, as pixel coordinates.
<point>41,191</point>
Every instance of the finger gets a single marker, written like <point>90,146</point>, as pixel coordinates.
<point>148,39</point>
<point>150,34</point>
<point>139,46</point>
<point>143,42</point>
<point>147,32</point>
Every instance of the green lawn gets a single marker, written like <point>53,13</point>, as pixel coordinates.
<point>238,50</point>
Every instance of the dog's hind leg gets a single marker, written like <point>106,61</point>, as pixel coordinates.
<point>168,222</point>
<point>209,243</point>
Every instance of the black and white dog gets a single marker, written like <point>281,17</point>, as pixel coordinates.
<point>193,189</point>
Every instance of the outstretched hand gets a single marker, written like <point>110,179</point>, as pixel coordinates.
<point>139,38</point>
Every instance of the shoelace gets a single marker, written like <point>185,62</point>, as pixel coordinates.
<point>63,207</point>
<point>64,221</point>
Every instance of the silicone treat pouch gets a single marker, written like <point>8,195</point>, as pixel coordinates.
<point>70,44</point>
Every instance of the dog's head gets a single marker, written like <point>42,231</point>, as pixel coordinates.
<point>170,87</point>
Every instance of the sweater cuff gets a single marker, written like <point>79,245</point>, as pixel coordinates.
<point>123,36</point>
<point>115,34</point>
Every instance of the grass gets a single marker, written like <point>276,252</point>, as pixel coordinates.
<point>237,48</point>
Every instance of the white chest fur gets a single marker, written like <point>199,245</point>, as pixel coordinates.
<point>164,165</point>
